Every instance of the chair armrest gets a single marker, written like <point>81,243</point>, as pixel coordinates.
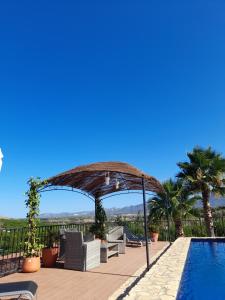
<point>115,241</point>
<point>92,244</point>
<point>91,247</point>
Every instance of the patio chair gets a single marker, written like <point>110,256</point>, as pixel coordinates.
<point>80,255</point>
<point>62,244</point>
<point>62,241</point>
<point>133,240</point>
<point>117,235</point>
<point>18,289</point>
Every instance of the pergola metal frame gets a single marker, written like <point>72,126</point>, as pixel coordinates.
<point>54,183</point>
<point>49,188</point>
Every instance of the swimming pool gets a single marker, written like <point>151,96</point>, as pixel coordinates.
<point>204,272</point>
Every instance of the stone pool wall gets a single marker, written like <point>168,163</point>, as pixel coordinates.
<point>162,281</point>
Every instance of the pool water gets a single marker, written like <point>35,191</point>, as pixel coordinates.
<point>204,273</point>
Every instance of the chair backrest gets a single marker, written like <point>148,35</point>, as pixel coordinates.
<point>62,231</point>
<point>74,239</point>
<point>89,237</point>
<point>116,233</point>
<point>75,251</point>
<point>129,234</point>
<point>62,241</point>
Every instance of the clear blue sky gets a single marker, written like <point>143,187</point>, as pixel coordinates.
<point>85,81</point>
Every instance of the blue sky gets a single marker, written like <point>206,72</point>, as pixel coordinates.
<point>85,81</point>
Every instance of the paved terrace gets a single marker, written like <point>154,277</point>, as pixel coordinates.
<point>163,279</point>
<point>99,283</point>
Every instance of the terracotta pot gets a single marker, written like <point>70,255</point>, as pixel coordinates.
<point>31,264</point>
<point>49,256</point>
<point>154,236</point>
<point>103,241</point>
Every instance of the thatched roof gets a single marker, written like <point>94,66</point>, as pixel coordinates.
<point>91,178</point>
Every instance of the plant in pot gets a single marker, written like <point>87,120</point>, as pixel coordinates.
<point>99,228</point>
<point>31,262</point>
<point>50,252</point>
<point>154,232</point>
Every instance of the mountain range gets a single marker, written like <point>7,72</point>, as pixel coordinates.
<point>132,209</point>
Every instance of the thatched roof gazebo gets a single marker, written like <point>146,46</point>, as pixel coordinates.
<point>91,179</point>
<point>99,180</point>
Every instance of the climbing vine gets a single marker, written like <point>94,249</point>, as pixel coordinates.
<point>32,244</point>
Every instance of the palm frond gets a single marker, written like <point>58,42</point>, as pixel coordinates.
<point>205,167</point>
<point>177,201</point>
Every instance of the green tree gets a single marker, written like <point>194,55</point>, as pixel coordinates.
<point>204,173</point>
<point>119,221</point>
<point>99,228</point>
<point>175,202</point>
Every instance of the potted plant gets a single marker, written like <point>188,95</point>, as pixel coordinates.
<point>31,262</point>
<point>99,228</point>
<point>154,232</point>
<point>50,252</point>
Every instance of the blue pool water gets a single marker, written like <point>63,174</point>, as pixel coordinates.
<point>204,273</point>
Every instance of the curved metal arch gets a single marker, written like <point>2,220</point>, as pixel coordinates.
<point>50,188</point>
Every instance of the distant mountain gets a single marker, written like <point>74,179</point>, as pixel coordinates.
<point>215,202</point>
<point>65,214</point>
<point>132,209</point>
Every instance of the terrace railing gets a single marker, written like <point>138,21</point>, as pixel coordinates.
<point>192,228</point>
<point>12,243</point>
<point>12,239</point>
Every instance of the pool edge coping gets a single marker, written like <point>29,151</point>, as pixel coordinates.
<point>162,281</point>
<point>129,282</point>
<point>170,265</point>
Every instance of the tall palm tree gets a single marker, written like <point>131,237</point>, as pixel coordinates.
<point>175,202</point>
<point>204,173</point>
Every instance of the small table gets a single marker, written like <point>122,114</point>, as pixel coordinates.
<point>108,250</point>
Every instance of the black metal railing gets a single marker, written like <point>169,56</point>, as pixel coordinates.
<point>12,240</point>
<point>192,228</point>
<point>12,243</point>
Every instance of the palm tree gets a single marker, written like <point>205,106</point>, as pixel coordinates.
<point>204,173</point>
<point>175,202</point>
